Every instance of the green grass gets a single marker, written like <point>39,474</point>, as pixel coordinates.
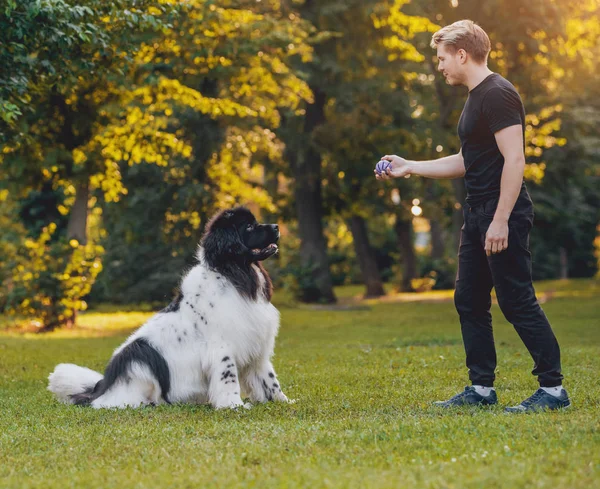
<point>363,376</point>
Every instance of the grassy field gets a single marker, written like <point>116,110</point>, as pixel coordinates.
<point>363,375</point>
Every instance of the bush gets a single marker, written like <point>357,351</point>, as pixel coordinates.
<point>45,280</point>
<point>440,273</point>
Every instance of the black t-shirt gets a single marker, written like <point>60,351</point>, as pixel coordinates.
<point>491,106</point>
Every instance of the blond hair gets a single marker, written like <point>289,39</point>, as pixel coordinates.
<point>464,34</point>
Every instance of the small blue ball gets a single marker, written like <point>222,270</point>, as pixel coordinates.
<point>382,166</point>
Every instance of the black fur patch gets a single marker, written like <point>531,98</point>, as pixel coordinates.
<point>267,390</point>
<point>226,374</point>
<point>137,351</point>
<point>86,397</point>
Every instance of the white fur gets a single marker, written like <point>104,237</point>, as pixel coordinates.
<point>68,379</point>
<point>213,322</point>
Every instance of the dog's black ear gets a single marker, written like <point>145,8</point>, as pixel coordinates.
<point>222,241</point>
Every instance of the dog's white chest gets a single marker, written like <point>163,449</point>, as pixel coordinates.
<point>213,309</point>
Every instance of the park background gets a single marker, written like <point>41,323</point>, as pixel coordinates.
<point>126,124</point>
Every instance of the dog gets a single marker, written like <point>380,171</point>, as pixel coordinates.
<point>212,344</point>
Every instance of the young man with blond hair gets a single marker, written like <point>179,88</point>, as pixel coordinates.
<point>498,216</point>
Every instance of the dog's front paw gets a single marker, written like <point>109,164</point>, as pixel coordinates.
<point>281,397</point>
<point>230,403</point>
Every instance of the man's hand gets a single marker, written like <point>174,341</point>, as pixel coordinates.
<point>400,168</point>
<point>496,238</point>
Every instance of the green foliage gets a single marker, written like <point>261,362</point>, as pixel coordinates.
<point>132,113</point>
<point>53,43</point>
<point>220,96</point>
<point>13,234</point>
<point>47,280</point>
<point>38,41</point>
<point>70,62</point>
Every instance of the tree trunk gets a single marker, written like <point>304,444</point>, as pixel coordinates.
<point>366,258</point>
<point>564,263</point>
<point>409,259</point>
<point>438,245</point>
<point>305,162</point>
<point>77,227</point>
<point>313,247</point>
<point>271,184</point>
<point>437,240</point>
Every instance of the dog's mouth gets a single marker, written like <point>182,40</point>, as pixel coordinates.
<point>263,253</point>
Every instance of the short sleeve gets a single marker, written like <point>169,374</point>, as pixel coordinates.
<point>502,108</point>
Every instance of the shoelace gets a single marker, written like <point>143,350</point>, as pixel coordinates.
<point>533,399</point>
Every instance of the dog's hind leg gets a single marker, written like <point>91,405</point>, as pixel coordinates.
<point>224,387</point>
<point>122,395</point>
<point>136,388</point>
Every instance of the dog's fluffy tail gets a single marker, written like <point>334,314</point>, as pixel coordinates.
<point>69,381</point>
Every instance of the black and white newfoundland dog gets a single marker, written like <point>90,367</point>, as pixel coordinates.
<point>212,344</point>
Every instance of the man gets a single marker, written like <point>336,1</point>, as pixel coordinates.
<point>498,216</point>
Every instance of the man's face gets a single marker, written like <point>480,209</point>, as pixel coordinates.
<point>451,65</point>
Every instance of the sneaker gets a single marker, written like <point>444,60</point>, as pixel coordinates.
<point>541,401</point>
<point>469,397</point>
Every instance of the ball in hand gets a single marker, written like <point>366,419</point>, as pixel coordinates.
<point>382,166</point>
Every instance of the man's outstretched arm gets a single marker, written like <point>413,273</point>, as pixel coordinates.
<point>447,167</point>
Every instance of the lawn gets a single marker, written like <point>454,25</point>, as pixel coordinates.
<point>363,376</point>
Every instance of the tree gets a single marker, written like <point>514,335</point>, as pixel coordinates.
<point>61,110</point>
<point>231,85</point>
<point>358,75</point>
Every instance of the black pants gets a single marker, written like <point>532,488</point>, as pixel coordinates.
<point>510,273</point>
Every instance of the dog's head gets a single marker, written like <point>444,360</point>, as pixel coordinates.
<point>235,233</point>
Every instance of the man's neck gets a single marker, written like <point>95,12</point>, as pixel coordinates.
<point>476,75</point>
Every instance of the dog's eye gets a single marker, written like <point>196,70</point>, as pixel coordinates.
<point>250,227</point>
